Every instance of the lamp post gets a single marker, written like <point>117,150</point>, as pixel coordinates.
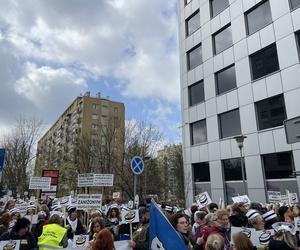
<point>240,141</point>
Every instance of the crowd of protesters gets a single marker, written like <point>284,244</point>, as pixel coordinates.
<point>208,228</point>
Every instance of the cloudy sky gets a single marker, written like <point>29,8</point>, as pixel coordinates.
<point>53,50</point>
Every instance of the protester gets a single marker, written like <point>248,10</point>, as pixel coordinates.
<point>96,227</point>
<point>282,240</point>
<point>113,219</point>
<point>20,231</point>
<point>104,241</point>
<point>74,225</point>
<point>238,216</point>
<point>200,222</point>
<point>214,242</point>
<point>53,234</point>
<point>242,242</point>
<point>4,222</point>
<point>9,205</point>
<point>255,220</point>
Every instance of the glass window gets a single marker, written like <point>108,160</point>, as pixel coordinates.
<point>225,80</point>
<point>258,17</point>
<point>194,57</point>
<point>232,169</point>
<point>298,41</point>
<point>222,40</point>
<point>294,4</point>
<point>230,124</point>
<point>217,6</point>
<point>264,62</point>
<point>116,110</point>
<point>94,117</point>
<point>192,23</point>
<point>198,132</point>
<point>196,93</point>
<point>201,172</point>
<point>278,165</point>
<point>270,112</point>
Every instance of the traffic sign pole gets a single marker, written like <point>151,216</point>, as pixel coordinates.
<point>134,187</point>
<point>137,166</point>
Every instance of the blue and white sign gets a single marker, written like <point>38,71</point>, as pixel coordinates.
<point>2,157</point>
<point>137,165</point>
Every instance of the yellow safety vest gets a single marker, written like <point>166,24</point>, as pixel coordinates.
<point>51,237</point>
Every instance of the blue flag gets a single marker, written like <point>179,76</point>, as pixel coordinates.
<point>162,235</point>
<point>2,157</point>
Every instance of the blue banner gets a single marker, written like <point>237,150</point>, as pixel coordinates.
<point>2,156</point>
<point>162,235</point>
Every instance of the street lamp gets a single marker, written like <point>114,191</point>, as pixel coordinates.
<point>240,142</point>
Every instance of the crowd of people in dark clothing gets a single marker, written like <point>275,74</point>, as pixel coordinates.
<point>208,228</point>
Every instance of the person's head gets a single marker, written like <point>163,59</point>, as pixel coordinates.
<point>212,207</point>
<point>96,225</point>
<point>284,237</point>
<point>72,213</point>
<point>14,214</point>
<point>180,223</point>
<point>104,241</point>
<point>209,219</point>
<point>95,214</point>
<point>9,205</point>
<point>113,212</point>
<point>4,219</point>
<point>255,220</point>
<point>21,227</point>
<point>256,206</point>
<point>144,215</point>
<point>270,218</point>
<point>241,242</point>
<point>214,242</point>
<point>31,210</point>
<point>194,208</point>
<point>199,217</point>
<point>238,208</point>
<point>221,219</point>
<point>55,219</point>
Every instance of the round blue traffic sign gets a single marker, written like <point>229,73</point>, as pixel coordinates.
<point>137,165</point>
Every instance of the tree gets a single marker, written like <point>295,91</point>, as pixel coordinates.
<point>19,145</point>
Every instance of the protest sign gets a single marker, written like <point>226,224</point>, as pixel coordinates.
<point>103,180</point>
<point>131,216</point>
<point>274,196</point>
<point>297,223</point>
<point>203,199</point>
<point>242,198</point>
<point>116,195</point>
<point>293,198</point>
<point>40,183</point>
<point>88,202</point>
<point>80,241</point>
<point>10,244</point>
<point>86,180</point>
<point>22,207</point>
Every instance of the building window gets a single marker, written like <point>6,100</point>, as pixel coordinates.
<point>217,6</point>
<point>298,40</point>
<point>294,4</point>
<point>196,93</point>
<point>94,117</point>
<point>232,169</point>
<point>192,23</point>
<point>225,80</point>
<point>222,40</point>
<point>116,110</point>
<point>270,112</point>
<point>198,132</point>
<point>258,17</point>
<point>186,2</point>
<point>278,165</point>
<point>264,62</point>
<point>116,122</point>
<point>95,106</point>
<point>194,57</point>
<point>201,172</point>
<point>230,124</point>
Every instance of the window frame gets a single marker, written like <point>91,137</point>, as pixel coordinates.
<point>216,80</point>
<point>189,18</point>
<point>256,112</point>
<point>212,15</point>
<point>188,57</point>
<point>291,6</point>
<point>252,9</point>
<point>297,37</point>
<point>192,143</point>
<point>186,2</point>
<point>238,159</point>
<point>214,40</point>
<point>220,124</point>
<point>194,165</point>
<point>201,82</point>
<point>258,52</point>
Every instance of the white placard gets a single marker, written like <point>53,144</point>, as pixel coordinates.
<point>86,180</point>
<point>103,180</point>
<point>87,202</point>
<point>32,218</point>
<point>297,223</point>
<point>293,197</point>
<point>52,188</point>
<point>39,182</point>
<point>15,243</point>
<point>203,199</point>
<point>284,199</point>
<point>274,196</point>
<point>22,207</point>
<point>116,195</point>
<point>247,231</point>
<point>131,216</point>
<point>80,241</point>
<point>242,198</point>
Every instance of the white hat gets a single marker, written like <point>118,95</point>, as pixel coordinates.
<point>71,207</point>
<point>32,206</point>
<point>169,209</point>
<point>269,215</point>
<point>14,210</point>
<point>55,207</point>
<point>60,214</point>
<point>12,223</point>
<point>251,214</point>
<point>284,226</point>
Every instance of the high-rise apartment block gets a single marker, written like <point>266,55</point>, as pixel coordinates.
<point>87,117</point>
<point>240,74</point>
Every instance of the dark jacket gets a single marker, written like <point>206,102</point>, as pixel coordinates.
<point>141,238</point>
<point>79,230</point>
<point>28,241</point>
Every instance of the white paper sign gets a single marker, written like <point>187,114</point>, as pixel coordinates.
<point>131,216</point>
<point>39,182</point>
<point>86,180</point>
<point>80,241</point>
<point>293,197</point>
<point>203,199</point>
<point>297,223</point>
<point>88,202</point>
<point>242,198</point>
<point>116,195</point>
<point>32,218</point>
<point>22,207</point>
<point>274,196</point>
<point>14,244</point>
<point>103,180</point>
<point>284,199</point>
